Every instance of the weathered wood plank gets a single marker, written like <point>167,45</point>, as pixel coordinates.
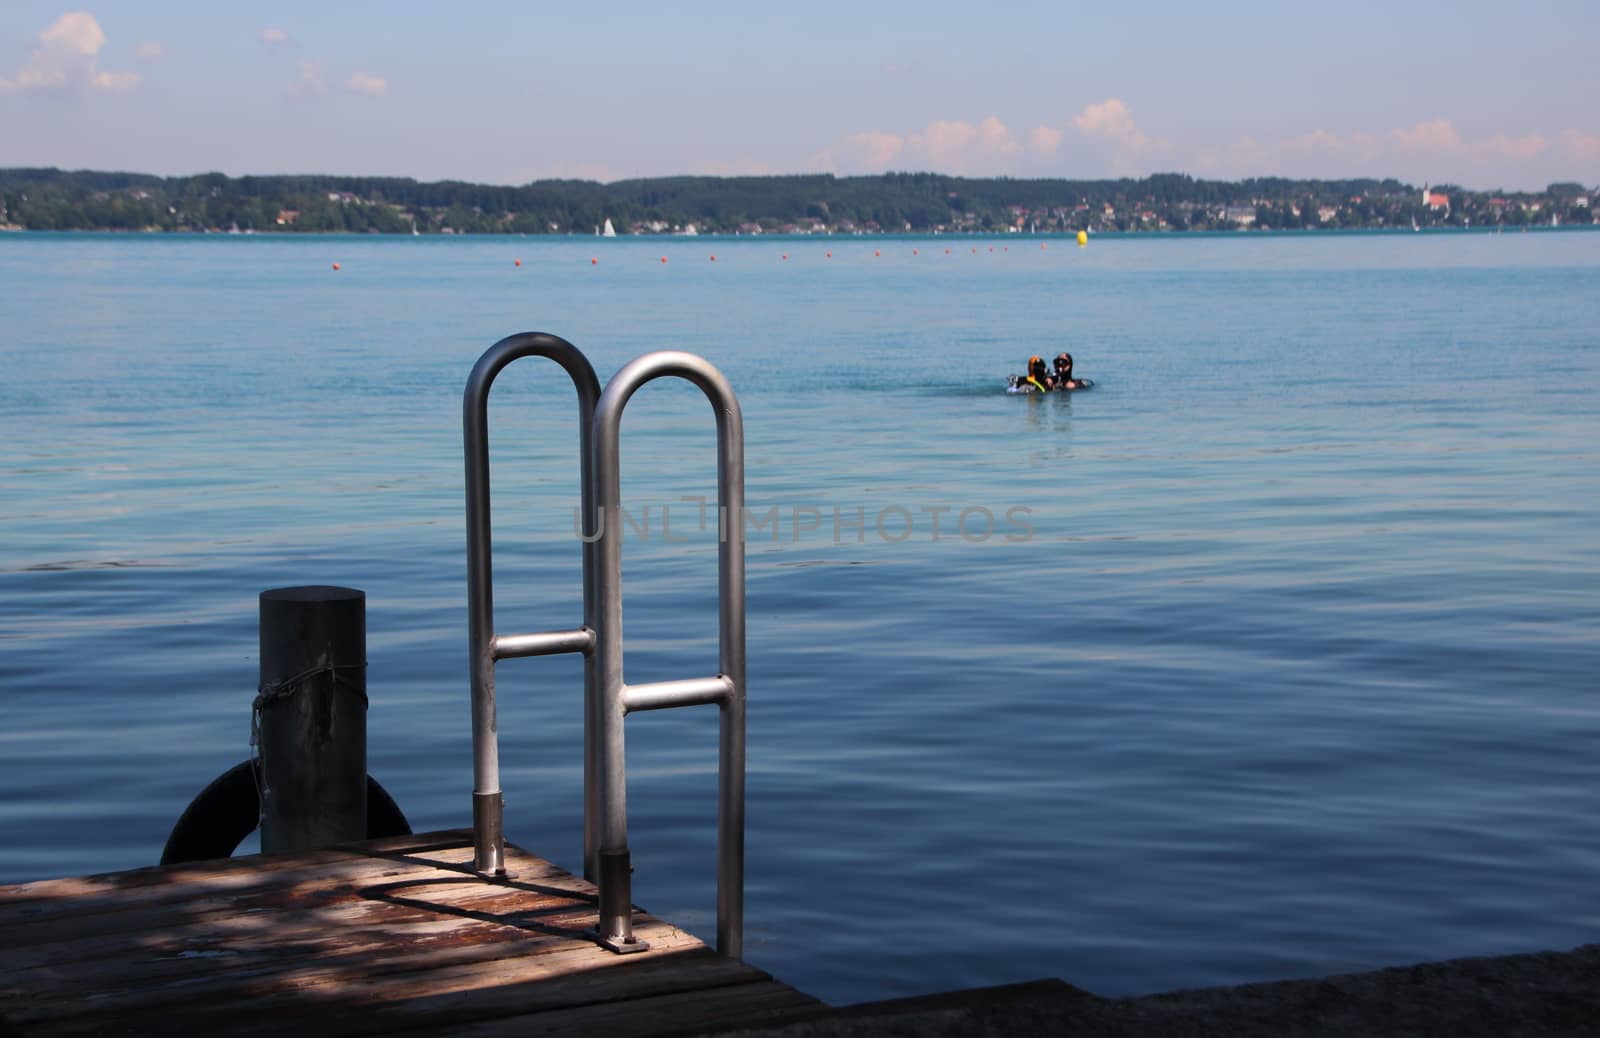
<point>201,934</point>
<point>230,876</point>
<point>375,938</point>
<point>477,915</point>
<point>356,1005</point>
<point>360,979</point>
<point>400,886</point>
<point>252,868</point>
<point>146,964</point>
<point>620,978</point>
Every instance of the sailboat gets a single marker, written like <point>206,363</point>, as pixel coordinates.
<point>414,227</point>
<point>608,231</point>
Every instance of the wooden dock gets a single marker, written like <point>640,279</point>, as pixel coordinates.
<point>390,937</point>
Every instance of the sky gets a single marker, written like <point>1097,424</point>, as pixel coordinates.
<point>1477,94</point>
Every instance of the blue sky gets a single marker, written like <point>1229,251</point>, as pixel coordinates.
<point>1483,95</point>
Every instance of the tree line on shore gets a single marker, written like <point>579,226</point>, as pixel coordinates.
<point>52,199</point>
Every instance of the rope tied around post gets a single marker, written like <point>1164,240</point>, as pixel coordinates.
<point>271,692</point>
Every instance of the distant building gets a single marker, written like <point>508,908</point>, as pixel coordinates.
<point>287,217</point>
<point>1435,200</point>
<point>1243,215</point>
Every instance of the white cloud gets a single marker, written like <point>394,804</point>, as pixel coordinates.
<point>995,138</point>
<point>114,80</point>
<point>873,151</point>
<point>149,51</point>
<point>1516,148</point>
<point>1435,137</point>
<point>67,59</point>
<point>1111,120</point>
<point>944,142</point>
<point>76,31</point>
<point>1434,150</point>
<point>1104,139</point>
<point>372,86</point>
<point>949,146</point>
<point>1045,139</point>
<point>879,148</point>
<point>1113,142</point>
<point>275,37</point>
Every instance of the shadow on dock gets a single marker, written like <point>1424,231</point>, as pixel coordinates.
<point>394,936</point>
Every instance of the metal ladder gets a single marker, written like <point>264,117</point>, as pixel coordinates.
<point>607,698</point>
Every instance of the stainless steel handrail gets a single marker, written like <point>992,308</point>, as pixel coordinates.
<point>488,808</point>
<point>726,689</point>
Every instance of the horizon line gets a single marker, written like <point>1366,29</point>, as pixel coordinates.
<point>795,176</point>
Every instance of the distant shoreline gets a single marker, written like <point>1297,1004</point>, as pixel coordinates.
<point>731,236</point>
<point>894,203</point>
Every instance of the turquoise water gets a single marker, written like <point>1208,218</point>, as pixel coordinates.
<point>1278,661</point>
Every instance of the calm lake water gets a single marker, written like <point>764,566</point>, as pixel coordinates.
<point>1279,660</point>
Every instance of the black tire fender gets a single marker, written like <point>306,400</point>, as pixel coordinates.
<point>229,809</point>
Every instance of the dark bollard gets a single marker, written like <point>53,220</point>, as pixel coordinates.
<point>310,719</point>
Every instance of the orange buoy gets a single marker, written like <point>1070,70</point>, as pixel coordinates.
<point>947,252</point>
<point>974,250</point>
<point>594,261</point>
<point>1044,245</point>
<point>786,255</point>
<point>915,252</point>
<point>663,259</point>
<point>875,252</point>
<point>336,266</point>
<point>991,248</point>
<point>516,263</point>
<point>713,259</point>
<point>830,255</point>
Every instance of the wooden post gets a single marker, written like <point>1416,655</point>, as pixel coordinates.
<point>311,717</point>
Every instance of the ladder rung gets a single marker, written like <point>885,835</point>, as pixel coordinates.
<point>544,643</point>
<point>659,695</point>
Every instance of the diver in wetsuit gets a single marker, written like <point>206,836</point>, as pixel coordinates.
<point>1063,376</point>
<point>1039,375</point>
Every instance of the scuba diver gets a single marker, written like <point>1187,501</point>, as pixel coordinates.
<point>1039,375</point>
<point>1040,380</point>
<point>1063,375</point>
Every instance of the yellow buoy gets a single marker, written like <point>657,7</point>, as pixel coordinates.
<point>1083,237</point>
